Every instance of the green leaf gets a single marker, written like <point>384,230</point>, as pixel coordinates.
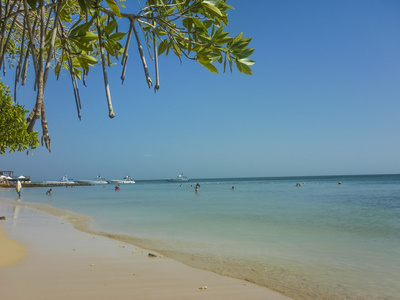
<point>32,3</point>
<point>114,7</point>
<point>210,67</point>
<point>117,36</point>
<point>230,63</point>
<point>82,44</point>
<point>57,69</point>
<point>246,53</point>
<point>75,62</point>
<point>199,25</point>
<point>247,70</point>
<point>242,44</point>
<point>187,23</point>
<point>112,46</point>
<point>204,38</point>
<point>162,47</point>
<point>247,61</point>
<point>215,57</point>
<point>84,64</point>
<point>90,59</point>
<point>238,66</point>
<point>78,73</point>
<point>243,68</point>
<point>65,16</point>
<point>160,32</point>
<point>225,20</point>
<point>208,23</point>
<point>89,36</point>
<point>225,64</point>
<point>82,4</point>
<point>81,29</point>
<point>213,2</point>
<point>237,38</point>
<point>176,49</point>
<point>170,10</point>
<point>110,27</point>
<point>103,19</point>
<point>212,10</point>
<point>223,40</point>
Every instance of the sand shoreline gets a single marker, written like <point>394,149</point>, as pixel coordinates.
<point>63,263</point>
<point>11,251</point>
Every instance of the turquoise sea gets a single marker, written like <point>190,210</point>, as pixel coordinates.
<point>322,240</point>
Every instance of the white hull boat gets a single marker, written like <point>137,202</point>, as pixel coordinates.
<point>98,180</point>
<point>64,181</point>
<point>125,180</point>
<point>179,178</point>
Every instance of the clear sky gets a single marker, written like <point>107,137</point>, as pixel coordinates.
<point>323,100</point>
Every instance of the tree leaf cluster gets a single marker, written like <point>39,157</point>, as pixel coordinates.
<point>13,128</point>
<point>75,35</point>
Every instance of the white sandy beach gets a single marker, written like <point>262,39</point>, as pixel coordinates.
<point>44,257</point>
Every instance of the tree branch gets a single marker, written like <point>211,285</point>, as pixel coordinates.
<point>146,71</point>
<point>157,86</point>
<point>53,39</point>
<point>31,43</point>
<point>103,62</point>
<point>124,60</point>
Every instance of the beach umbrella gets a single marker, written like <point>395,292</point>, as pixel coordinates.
<point>8,177</point>
<point>3,176</point>
<point>21,177</point>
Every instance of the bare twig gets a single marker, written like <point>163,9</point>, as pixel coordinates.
<point>103,62</point>
<point>146,71</point>
<point>31,38</point>
<point>4,44</point>
<point>157,86</point>
<point>75,88</point>
<point>39,73</point>
<point>53,39</point>
<point>45,137</point>
<point>124,60</point>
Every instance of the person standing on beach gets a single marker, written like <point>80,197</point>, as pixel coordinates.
<point>18,187</point>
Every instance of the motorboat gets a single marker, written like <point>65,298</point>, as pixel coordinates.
<point>126,180</point>
<point>63,181</point>
<point>178,178</point>
<point>95,181</point>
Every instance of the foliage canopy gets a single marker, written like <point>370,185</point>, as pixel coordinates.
<point>13,127</point>
<point>78,34</point>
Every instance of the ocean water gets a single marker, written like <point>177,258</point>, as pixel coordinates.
<point>322,240</point>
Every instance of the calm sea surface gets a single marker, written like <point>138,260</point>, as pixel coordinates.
<point>322,240</point>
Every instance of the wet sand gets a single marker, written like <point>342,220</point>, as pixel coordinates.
<point>45,257</point>
<point>11,252</point>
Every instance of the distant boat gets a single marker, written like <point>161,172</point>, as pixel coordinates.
<point>178,178</point>
<point>126,180</point>
<point>63,181</point>
<point>97,180</point>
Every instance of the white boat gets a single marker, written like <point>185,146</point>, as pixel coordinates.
<point>178,178</point>
<point>126,180</point>
<point>97,180</point>
<point>63,181</point>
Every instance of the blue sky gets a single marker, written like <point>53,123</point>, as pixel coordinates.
<point>323,100</point>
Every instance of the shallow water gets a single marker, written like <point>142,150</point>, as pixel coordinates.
<point>318,241</point>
